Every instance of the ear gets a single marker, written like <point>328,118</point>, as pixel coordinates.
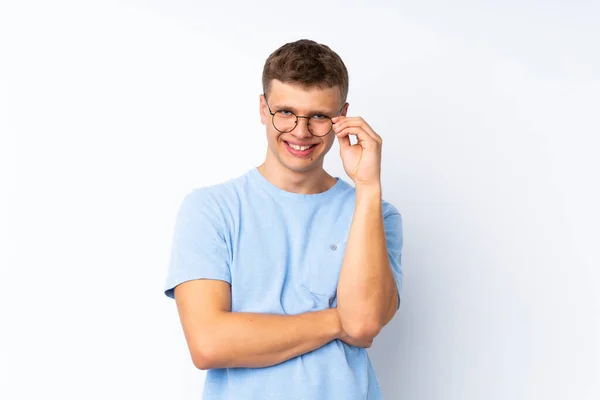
<point>262,109</point>
<point>345,110</point>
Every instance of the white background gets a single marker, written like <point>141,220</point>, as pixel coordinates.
<point>112,111</point>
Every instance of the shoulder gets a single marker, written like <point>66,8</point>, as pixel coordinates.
<point>389,209</point>
<point>219,194</point>
<point>218,203</point>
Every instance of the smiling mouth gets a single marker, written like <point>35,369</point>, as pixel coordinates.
<point>299,147</point>
<point>300,151</point>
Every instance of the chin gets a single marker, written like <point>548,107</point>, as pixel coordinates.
<point>300,166</point>
<point>301,170</point>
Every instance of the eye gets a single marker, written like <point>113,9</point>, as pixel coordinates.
<point>285,113</point>
<point>320,116</point>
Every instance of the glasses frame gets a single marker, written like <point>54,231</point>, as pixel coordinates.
<point>300,116</point>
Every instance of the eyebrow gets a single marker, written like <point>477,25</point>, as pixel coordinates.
<point>295,111</point>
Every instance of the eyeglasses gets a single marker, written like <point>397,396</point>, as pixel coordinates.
<point>286,121</point>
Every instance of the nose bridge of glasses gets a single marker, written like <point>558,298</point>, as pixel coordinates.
<point>306,126</point>
<point>309,119</point>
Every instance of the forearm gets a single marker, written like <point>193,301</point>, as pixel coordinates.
<point>241,339</point>
<point>366,288</point>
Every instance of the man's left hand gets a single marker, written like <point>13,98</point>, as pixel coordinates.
<point>362,161</point>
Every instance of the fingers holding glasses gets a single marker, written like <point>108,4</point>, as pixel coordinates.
<point>345,126</point>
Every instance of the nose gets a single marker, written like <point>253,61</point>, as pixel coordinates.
<point>301,131</point>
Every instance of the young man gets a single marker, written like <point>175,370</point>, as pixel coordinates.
<point>283,276</point>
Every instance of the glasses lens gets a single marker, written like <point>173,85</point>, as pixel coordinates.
<point>284,121</point>
<point>320,126</point>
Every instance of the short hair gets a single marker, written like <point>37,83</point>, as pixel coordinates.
<point>307,63</point>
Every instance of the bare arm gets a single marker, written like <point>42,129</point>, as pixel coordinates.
<point>367,293</point>
<point>219,338</point>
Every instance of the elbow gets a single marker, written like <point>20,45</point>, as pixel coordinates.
<point>205,356</point>
<point>208,348</point>
<point>362,324</point>
<point>362,329</point>
<point>202,361</point>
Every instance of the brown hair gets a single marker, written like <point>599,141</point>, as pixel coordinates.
<point>308,63</point>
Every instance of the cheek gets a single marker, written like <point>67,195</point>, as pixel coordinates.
<point>272,136</point>
<point>328,144</point>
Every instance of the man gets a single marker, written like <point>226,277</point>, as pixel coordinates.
<point>283,276</point>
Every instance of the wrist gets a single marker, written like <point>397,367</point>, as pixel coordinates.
<point>334,323</point>
<point>368,191</point>
<point>368,199</point>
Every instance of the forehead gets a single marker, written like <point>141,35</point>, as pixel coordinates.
<point>304,98</point>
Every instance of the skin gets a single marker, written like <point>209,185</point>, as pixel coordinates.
<point>367,295</point>
<point>282,169</point>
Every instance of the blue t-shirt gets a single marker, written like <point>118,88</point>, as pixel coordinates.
<point>282,253</point>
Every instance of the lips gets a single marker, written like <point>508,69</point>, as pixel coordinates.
<point>300,153</point>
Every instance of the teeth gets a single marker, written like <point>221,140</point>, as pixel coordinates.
<point>296,147</point>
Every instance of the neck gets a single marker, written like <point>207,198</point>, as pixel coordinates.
<point>316,180</point>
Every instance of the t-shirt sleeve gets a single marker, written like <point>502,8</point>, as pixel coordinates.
<point>199,249</point>
<point>392,222</point>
